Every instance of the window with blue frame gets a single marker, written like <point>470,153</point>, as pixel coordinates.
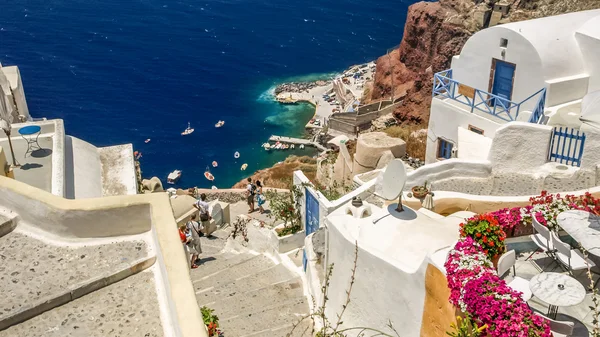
<point>444,149</point>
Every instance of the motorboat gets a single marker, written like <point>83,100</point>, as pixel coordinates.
<point>292,146</point>
<point>244,167</point>
<point>188,130</point>
<point>301,146</point>
<point>147,141</point>
<point>173,177</point>
<point>215,164</point>
<point>236,155</point>
<point>208,175</point>
<point>267,146</point>
<point>214,187</point>
<point>219,124</point>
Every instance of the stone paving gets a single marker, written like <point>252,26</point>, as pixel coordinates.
<point>252,295</point>
<point>128,308</point>
<point>32,271</point>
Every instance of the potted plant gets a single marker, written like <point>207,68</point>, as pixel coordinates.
<point>485,230</point>
<point>420,191</point>
<point>211,321</point>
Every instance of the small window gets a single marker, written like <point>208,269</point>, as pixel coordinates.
<point>475,129</point>
<point>503,43</point>
<point>444,149</point>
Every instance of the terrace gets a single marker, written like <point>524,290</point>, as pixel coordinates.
<point>486,104</point>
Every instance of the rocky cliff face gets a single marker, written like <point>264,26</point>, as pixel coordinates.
<point>436,31</point>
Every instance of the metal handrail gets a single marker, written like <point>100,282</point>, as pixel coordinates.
<point>445,86</point>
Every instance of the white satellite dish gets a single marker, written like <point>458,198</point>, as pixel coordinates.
<point>392,183</point>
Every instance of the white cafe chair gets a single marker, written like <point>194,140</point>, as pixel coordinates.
<point>541,238</point>
<point>559,328</point>
<point>573,259</point>
<point>505,263</point>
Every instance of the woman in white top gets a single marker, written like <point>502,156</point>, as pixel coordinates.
<point>195,246</point>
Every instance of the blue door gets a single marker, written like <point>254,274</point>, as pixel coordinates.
<point>503,80</point>
<point>312,220</point>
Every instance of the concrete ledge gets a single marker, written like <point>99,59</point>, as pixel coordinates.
<point>7,225</point>
<point>52,301</point>
<point>284,244</point>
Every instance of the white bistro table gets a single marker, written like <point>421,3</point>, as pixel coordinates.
<point>558,290</point>
<point>583,227</point>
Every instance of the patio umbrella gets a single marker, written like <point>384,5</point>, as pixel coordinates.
<point>428,202</point>
<point>6,121</point>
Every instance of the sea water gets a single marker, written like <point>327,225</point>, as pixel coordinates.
<point>124,71</point>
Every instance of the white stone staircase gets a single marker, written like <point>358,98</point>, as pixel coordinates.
<point>251,294</point>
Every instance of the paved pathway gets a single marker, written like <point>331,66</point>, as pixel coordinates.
<point>252,295</point>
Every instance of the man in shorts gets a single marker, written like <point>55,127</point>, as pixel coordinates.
<point>250,192</point>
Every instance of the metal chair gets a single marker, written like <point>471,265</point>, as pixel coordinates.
<point>506,261</point>
<point>559,328</point>
<point>541,239</point>
<point>573,259</point>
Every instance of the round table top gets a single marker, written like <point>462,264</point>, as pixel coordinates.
<point>30,130</point>
<point>546,287</point>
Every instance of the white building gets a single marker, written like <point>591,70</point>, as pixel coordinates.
<point>63,165</point>
<point>514,72</point>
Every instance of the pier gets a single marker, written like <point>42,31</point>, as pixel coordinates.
<point>299,141</point>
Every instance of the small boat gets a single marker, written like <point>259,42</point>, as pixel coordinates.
<point>219,124</point>
<point>173,177</point>
<point>236,155</point>
<point>267,146</point>
<point>301,146</point>
<point>188,130</point>
<point>244,167</point>
<point>214,187</point>
<point>215,164</point>
<point>208,175</point>
<point>147,141</point>
<point>292,146</point>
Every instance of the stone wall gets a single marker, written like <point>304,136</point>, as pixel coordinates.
<point>438,313</point>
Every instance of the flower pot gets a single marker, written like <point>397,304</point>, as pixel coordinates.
<point>418,192</point>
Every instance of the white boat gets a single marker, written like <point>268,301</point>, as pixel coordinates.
<point>236,155</point>
<point>267,146</point>
<point>292,146</point>
<point>173,177</point>
<point>219,124</point>
<point>244,167</point>
<point>188,130</point>
<point>215,164</point>
<point>147,141</point>
<point>301,146</point>
<point>214,187</point>
<point>208,175</point>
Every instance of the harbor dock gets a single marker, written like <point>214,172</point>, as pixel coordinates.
<point>299,141</point>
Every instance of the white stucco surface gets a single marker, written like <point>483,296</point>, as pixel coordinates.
<point>86,169</point>
<point>520,147</point>
<point>118,170</point>
<point>472,145</point>
<point>392,259</point>
<point>17,93</point>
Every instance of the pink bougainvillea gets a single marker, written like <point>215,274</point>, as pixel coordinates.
<point>477,290</point>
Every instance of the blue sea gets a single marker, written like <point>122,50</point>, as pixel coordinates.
<point>127,70</point>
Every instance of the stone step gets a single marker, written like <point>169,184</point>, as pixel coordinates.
<point>6,225</point>
<point>216,263</point>
<point>209,293</point>
<point>235,304</point>
<point>232,272</point>
<point>222,234</point>
<point>269,317</point>
<point>303,329</point>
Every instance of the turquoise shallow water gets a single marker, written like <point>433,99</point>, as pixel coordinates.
<point>120,72</point>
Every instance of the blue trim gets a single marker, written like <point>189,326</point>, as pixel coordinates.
<point>560,151</point>
<point>445,87</point>
<point>445,149</point>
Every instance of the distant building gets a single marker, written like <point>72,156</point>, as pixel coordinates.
<point>534,71</point>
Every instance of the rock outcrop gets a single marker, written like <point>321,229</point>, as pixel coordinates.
<point>433,33</point>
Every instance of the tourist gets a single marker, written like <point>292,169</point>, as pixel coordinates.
<point>260,198</point>
<point>195,228</point>
<point>204,209</point>
<point>185,237</point>
<point>250,191</point>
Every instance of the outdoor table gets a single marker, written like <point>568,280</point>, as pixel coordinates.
<point>558,290</point>
<point>32,142</point>
<point>583,227</point>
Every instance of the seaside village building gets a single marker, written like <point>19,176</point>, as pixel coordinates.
<point>82,254</point>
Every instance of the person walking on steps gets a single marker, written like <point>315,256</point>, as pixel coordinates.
<point>260,198</point>
<point>195,228</point>
<point>186,238</point>
<point>204,210</point>
<point>250,193</point>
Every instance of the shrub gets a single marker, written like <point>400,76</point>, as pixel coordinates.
<point>210,320</point>
<point>286,207</point>
<point>485,230</point>
<point>511,218</point>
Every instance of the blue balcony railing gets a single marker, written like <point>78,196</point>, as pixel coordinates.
<point>445,86</point>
